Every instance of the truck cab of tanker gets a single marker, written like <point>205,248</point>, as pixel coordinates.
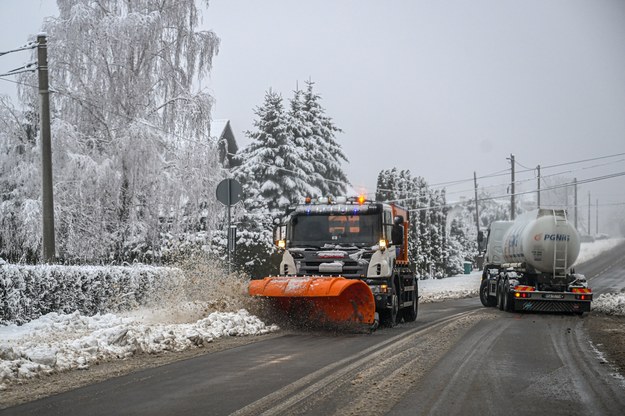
<point>494,242</point>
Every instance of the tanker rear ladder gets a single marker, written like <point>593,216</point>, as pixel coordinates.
<point>560,252</point>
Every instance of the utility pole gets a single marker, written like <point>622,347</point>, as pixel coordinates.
<point>575,196</point>
<point>477,210</point>
<point>597,217</point>
<point>512,205</point>
<point>47,197</point>
<point>588,212</point>
<point>538,194</point>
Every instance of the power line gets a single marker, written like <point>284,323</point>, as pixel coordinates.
<point>506,172</point>
<point>29,45</point>
<point>488,198</point>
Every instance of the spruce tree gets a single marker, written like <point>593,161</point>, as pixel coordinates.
<point>271,170</point>
<point>324,151</point>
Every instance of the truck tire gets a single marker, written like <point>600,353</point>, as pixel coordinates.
<point>499,295</point>
<point>507,297</point>
<point>410,313</point>
<point>485,298</point>
<point>388,317</point>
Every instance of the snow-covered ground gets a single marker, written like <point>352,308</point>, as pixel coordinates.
<point>56,342</point>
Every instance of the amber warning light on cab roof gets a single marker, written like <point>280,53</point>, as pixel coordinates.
<point>360,199</point>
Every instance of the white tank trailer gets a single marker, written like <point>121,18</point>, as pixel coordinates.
<point>528,265</point>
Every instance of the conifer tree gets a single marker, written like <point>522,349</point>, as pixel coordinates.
<point>325,153</point>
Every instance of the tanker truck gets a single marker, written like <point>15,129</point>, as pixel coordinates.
<point>344,261</point>
<point>528,265</point>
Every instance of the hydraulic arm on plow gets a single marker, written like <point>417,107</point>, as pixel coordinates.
<point>343,262</point>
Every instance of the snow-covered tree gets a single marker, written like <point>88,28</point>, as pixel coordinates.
<point>20,184</point>
<point>427,246</point>
<point>322,148</point>
<point>134,168</point>
<point>292,154</point>
<point>271,167</point>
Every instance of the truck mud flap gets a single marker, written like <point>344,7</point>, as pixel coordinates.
<point>319,299</point>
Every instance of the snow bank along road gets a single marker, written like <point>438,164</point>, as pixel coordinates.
<point>458,358</point>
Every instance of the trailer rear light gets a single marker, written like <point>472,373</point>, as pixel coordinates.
<point>583,297</point>
<point>522,295</point>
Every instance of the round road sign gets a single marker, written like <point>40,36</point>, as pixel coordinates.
<point>229,192</point>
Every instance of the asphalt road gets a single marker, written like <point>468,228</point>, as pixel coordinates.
<point>458,358</point>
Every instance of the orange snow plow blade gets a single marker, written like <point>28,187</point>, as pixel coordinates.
<point>321,299</point>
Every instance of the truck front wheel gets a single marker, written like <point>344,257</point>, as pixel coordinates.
<point>389,315</point>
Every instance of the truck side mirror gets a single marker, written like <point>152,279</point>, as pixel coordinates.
<point>397,234</point>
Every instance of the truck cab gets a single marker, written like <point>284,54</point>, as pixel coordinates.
<point>355,239</point>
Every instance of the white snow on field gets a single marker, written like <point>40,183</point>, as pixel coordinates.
<point>56,342</point>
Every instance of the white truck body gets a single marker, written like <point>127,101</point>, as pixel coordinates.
<point>542,239</point>
<point>528,265</point>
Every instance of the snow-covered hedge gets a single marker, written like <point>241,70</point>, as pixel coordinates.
<point>28,292</point>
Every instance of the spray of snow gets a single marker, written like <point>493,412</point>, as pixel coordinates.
<point>206,288</point>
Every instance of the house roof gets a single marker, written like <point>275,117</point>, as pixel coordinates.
<point>221,132</point>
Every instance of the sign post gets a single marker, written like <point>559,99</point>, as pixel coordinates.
<point>229,192</point>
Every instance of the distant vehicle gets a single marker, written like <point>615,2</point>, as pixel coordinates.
<point>528,265</point>
<point>343,261</point>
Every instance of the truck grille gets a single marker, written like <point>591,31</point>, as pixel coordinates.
<point>351,268</point>
<point>551,306</point>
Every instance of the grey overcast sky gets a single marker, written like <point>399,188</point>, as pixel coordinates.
<point>443,88</point>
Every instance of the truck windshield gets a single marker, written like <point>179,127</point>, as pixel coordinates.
<point>317,230</point>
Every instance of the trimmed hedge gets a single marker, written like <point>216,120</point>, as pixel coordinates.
<point>28,292</point>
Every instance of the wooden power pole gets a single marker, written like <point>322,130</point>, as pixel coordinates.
<point>512,202</point>
<point>47,197</point>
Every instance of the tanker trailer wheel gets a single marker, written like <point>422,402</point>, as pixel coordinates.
<point>499,295</point>
<point>410,313</point>
<point>485,298</point>
<point>507,296</point>
<point>389,316</point>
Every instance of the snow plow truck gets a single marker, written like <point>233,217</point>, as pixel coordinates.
<point>528,265</point>
<point>343,261</point>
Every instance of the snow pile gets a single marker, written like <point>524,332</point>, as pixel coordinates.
<point>58,342</point>
<point>610,304</point>
<point>588,251</point>
<point>457,287</point>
